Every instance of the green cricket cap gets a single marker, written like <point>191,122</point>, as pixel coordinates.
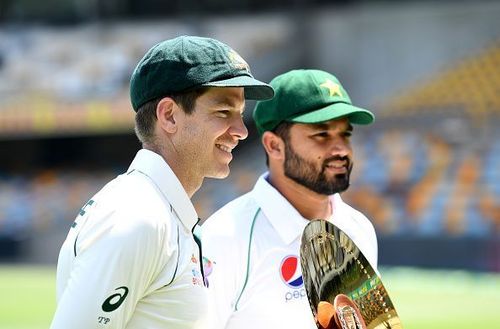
<point>189,62</point>
<point>307,96</point>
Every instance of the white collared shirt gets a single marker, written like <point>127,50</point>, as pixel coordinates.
<point>130,260</point>
<point>254,245</point>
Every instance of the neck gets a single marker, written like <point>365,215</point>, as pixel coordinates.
<point>309,204</point>
<point>188,179</point>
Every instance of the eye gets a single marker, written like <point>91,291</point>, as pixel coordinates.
<point>222,113</point>
<point>322,134</point>
<point>347,134</point>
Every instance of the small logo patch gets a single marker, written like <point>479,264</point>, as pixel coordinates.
<point>333,88</point>
<point>208,266</point>
<point>290,272</point>
<point>238,61</point>
<point>115,300</point>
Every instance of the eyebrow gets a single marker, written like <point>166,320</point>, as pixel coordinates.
<point>227,102</point>
<point>325,126</point>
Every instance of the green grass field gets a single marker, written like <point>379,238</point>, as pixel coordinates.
<point>27,297</point>
<point>423,298</point>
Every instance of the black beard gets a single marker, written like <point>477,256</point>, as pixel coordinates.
<point>305,173</point>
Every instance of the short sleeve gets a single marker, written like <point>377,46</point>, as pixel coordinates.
<point>115,263</point>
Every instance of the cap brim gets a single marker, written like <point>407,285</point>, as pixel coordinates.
<point>254,89</point>
<point>356,115</point>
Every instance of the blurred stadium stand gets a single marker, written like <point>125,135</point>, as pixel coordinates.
<point>427,172</point>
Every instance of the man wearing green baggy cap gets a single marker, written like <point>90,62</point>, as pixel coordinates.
<point>130,259</point>
<point>254,241</point>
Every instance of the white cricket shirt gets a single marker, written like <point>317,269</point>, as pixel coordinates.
<point>254,245</point>
<point>130,260</point>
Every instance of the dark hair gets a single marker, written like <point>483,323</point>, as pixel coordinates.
<point>145,117</point>
<point>282,130</point>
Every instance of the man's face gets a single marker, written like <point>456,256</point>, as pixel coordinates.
<point>319,156</point>
<point>210,133</point>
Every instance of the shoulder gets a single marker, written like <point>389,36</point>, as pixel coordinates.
<point>355,215</point>
<point>231,218</point>
<point>130,211</point>
<point>361,231</point>
<point>135,196</point>
<point>227,230</point>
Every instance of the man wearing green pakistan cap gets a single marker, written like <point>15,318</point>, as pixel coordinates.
<point>130,259</point>
<point>253,242</point>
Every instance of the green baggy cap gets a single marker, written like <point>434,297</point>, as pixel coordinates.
<point>307,96</point>
<point>189,62</point>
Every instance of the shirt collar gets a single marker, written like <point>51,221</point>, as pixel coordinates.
<point>156,168</point>
<point>284,218</point>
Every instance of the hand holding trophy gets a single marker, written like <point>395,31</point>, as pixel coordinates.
<point>342,314</point>
<point>343,289</point>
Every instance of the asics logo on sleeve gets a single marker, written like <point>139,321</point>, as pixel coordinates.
<point>115,300</point>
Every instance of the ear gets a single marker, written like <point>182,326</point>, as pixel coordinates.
<point>167,112</point>
<point>274,145</point>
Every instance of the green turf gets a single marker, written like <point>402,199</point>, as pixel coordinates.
<point>444,299</point>
<point>423,298</point>
<point>27,296</point>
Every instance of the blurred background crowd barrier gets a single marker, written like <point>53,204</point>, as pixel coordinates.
<point>427,173</point>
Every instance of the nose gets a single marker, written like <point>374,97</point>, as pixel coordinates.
<point>238,128</point>
<point>341,147</point>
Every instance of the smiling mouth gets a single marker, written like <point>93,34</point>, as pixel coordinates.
<point>224,148</point>
<point>337,165</point>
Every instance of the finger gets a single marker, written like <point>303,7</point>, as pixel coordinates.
<point>326,315</point>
